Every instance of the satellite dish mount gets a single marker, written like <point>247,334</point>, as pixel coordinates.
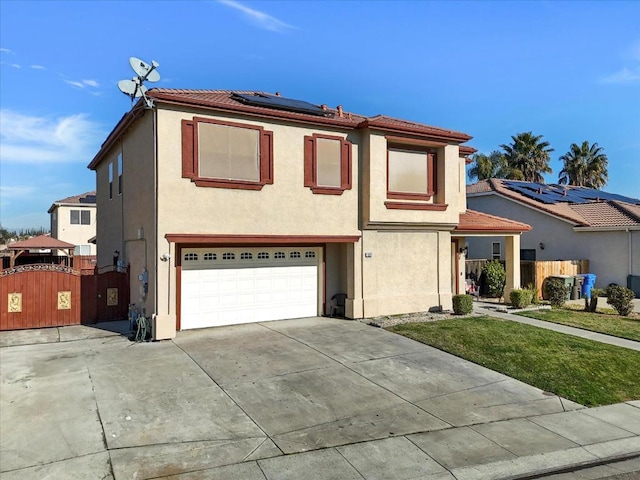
<point>135,88</point>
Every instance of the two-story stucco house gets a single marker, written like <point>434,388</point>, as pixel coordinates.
<point>235,207</point>
<point>73,220</point>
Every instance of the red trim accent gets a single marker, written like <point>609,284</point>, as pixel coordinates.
<point>438,207</point>
<point>310,156</point>
<point>190,156</point>
<point>409,196</point>
<point>414,142</point>
<point>200,239</point>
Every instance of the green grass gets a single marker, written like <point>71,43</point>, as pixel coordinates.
<point>618,326</point>
<point>581,370</point>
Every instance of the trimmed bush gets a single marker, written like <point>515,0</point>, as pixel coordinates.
<point>620,298</point>
<point>520,298</point>
<point>531,288</point>
<point>462,304</point>
<point>556,291</point>
<point>495,277</point>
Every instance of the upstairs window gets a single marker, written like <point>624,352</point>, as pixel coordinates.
<point>110,180</point>
<point>327,164</point>
<point>411,173</point>
<point>495,250</point>
<point>226,155</point>
<point>120,174</point>
<point>80,217</point>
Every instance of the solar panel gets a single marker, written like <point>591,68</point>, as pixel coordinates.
<point>553,193</point>
<point>281,103</point>
<point>88,199</point>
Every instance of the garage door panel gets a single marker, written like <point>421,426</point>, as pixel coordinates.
<point>235,292</point>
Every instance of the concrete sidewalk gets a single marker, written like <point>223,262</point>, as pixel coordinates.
<point>311,398</point>
<point>497,310</point>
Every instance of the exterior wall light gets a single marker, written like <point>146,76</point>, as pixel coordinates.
<point>541,246</point>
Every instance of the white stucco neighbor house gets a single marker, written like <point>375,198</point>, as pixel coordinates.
<point>568,223</point>
<point>73,220</point>
<point>241,206</point>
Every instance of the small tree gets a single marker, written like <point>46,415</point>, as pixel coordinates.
<point>620,298</point>
<point>496,278</point>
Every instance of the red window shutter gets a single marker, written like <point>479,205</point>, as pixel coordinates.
<point>266,157</point>
<point>309,151</point>
<point>188,157</point>
<point>432,178</point>
<point>346,164</point>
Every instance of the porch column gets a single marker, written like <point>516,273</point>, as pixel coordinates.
<point>354,304</point>
<point>512,264</point>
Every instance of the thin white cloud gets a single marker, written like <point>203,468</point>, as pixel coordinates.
<point>626,75</point>
<point>15,65</point>
<point>258,18</point>
<point>6,50</point>
<point>27,139</point>
<point>38,67</point>
<point>83,83</point>
<point>16,192</point>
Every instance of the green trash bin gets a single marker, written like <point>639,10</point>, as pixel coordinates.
<point>568,282</point>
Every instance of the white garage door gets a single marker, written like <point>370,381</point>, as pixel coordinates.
<point>226,286</point>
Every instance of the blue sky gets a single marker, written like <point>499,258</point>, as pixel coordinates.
<point>569,71</point>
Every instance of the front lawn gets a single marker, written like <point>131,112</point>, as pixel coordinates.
<point>616,325</point>
<point>581,370</point>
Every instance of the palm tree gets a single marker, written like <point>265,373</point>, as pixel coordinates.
<point>584,166</point>
<point>528,154</point>
<point>493,165</point>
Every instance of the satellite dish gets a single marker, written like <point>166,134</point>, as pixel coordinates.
<point>144,70</point>
<point>135,87</point>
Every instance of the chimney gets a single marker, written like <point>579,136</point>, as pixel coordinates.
<point>278,94</point>
<point>340,113</point>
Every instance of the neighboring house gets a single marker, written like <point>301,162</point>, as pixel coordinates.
<point>73,220</point>
<point>235,207</point>
<point>568,223</point>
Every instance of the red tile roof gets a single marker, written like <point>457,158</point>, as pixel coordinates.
<point>224,100</point>
<point>39,242</point>
<point>591,214</point>
<point>472,221</point>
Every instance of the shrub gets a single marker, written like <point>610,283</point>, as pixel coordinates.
<point>520,298</point>
<point>620,298</point>
<point>531,288</point>
<point>462,304</point>
<point>556,291</point>
<point>495,277</point>
<point>591,304</point>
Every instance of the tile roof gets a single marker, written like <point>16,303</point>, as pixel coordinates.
<point>473,221</point>
<point>226,101</point>
<point>82,198</point>
<point>41,241</point>
<point>590,213</point>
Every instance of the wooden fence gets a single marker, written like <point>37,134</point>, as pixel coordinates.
<point>534,273</point>
<point>44,295</point>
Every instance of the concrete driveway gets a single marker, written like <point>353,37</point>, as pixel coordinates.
<point>248,401</point>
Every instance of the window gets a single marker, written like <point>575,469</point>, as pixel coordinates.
<point>190,257</point>
<point>229,256</point>
<point>226,155</point>
<point>294,255</point>
<point>528,254</point>
<point>120,174</point>
<point>111,180</point>
<point>279,255</point>
<point>411,173</point>
<point>495,250</point>
<point>327,164</point>
<point>80,217</point>
<point>246,256</point>
<point>263,256</point>
<point>210,256</point>
<point>310,255</point>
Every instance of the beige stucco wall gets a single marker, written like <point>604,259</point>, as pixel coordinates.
<point>405,272</point>
<point>62,229</point>
<point>121,217</point>
<point>607,251</point>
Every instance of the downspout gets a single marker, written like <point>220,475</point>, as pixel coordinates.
<point>630,252</point>
<point>155,205</point>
